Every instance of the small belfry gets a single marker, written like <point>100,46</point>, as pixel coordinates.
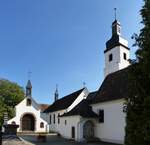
<point>29,89</point>
<point>116,27</point>
<point>56,93</point>
<point>117,52</point>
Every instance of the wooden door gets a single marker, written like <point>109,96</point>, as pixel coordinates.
<point>73,132</point>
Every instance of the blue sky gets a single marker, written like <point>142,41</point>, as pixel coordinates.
<point>60,41</point>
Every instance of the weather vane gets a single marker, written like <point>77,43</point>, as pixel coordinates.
<point>115,9</point>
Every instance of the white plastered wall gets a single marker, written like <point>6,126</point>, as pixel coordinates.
<point>118,61</point>
<point>65,129</point>
<point>113,128</point>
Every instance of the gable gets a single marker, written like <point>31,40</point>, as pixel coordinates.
<point>23,104</point>
<point>64,102</point>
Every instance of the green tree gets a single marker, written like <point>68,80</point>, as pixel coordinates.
<point>10,95</point>
<point>138,102</point>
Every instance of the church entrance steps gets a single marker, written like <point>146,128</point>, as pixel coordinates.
<point>36,133</point>
<point>26,133</point>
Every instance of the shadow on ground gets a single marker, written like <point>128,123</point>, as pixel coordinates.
<point>55,140</point>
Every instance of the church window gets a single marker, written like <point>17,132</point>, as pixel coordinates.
<point>28,102</point>
<point>110,57</point>
<point>54,118</point>
<point>101,116</point>
<point>13,122</point>
<point>65,122</point>
<point>125,56</point>
<point>41,125</point>
<point>50,119</point>
<point>58,118</point>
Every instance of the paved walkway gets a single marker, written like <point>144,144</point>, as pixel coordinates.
<point>13,140</point>
<point>55,140</point>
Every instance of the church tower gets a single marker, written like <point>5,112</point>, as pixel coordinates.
<point>29,89</point>
<point>117,52</point>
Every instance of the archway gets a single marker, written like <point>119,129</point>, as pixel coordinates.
<point>28,122</point>
<point>88,130</point>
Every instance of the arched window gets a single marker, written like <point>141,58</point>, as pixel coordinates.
<point>65,122</point>
<point>28,102</point>
<point>50,119</point>
<point>58,118</point>
<point>54,118</point>
<point>125,56</point>
<point>110,57</point>
<point>13,123</point>
<point>41,125</point>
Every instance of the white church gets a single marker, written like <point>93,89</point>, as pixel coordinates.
<point>84,115</point>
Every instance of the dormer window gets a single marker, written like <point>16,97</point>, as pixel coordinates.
<point>28,102</point>
<point>110,57</point>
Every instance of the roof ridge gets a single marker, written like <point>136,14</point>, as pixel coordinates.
<point>70,94</point>
<point>64,102</point>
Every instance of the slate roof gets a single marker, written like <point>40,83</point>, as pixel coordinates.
<point>43,106</point>
<point>83,109</point>
<point>64,102</point>
<point>91,96</point>
<point>113,42</point>
<point>115,86</point>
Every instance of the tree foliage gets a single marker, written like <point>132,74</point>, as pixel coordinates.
<point>138,102</point>
<point>10,95</point>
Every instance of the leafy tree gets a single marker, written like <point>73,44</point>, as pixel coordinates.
<point>10,95</point>
<point>138,102</point>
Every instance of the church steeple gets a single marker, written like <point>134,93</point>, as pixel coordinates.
<point>29,89</point>
<point>117,51</point>
<point>56,93</point>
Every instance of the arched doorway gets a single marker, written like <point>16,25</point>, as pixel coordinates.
<point>88,130</point>
<point>28,122</point>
